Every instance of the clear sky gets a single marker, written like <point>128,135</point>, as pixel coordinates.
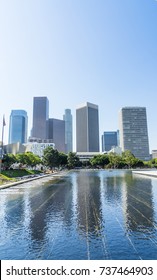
<point>73,51</point>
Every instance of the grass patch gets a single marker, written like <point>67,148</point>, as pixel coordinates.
<point>4,179</point>
<point>9,174</point>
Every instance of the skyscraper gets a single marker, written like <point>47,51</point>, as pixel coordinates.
<point>40,117</point>
<point>18,126</point>
<point>56,132</point>
<point>67,117</point>
<point>87,128</point>
<point>109,139</point>
<point>133,131</point>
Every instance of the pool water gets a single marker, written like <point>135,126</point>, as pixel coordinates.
<point>87,214</point>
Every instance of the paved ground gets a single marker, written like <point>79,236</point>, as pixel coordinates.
<point>8,185</point>
<point>152,173</point>
<point>36,177</point>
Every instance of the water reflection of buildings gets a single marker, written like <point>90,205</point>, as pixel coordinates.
<point>88,202</point>
<point>31,215</point>
<point>14,208</point>
<point>52,207</point>
<point>133,195</point>
<point>138,203</point>
<point>112,185</point>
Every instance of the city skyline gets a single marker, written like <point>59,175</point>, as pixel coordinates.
<point>78,51</point>
<point>62,119</point>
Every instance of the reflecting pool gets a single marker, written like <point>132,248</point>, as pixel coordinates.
<point>86,214</point>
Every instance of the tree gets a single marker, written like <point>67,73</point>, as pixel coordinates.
<point>8,160</point>
<point>51,157</point>
<point>115,160</point>
<point>63,159</point>
<point>100,160</point>
<point>21,158</point>
<point>129,158</point>
<point>32,159</point>
<point>73,160</point>
<point>28,159</point>
<point>138,163</point>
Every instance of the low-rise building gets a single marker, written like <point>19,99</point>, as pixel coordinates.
<point>154,153</point>
<point>14,148</point>
<point>86,156</point>
<point>116,150</point>
<point>37,145</point>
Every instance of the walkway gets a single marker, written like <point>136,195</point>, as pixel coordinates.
<point>152,173</point>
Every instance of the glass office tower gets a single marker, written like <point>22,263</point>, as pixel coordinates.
<point>40,117</point>
<point>56,132</point>
<point>134,132</point>
<point>87,128</point>
<point>18,126</point>
<point>109,140</point>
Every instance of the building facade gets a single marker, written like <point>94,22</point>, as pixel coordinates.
<point>134,132</point>
<point>109,140</point>
<point>116,150</point>
<point>56,132</point>
<point>40,117</point>
<point>87,128</point>
<point>15,148</point>
<point>154,154</point>
<point>18,126</point>
<point>37,148</point>
<point>67,117</point>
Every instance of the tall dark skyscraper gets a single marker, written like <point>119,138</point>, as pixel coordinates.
<point>134,132</point>
<point>67,117</point>
<point>109,139</point>
<point>18,126</point>
<point>40,117</point>
<point>56,132</point>
<point>87,128</point>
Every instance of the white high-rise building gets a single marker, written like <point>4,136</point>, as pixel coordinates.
<point>67,117</point>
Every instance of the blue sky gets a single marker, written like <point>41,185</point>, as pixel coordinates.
<point>73,51</point>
